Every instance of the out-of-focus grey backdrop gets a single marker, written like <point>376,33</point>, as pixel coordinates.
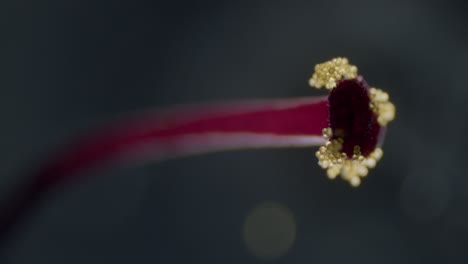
<point>69,65</point>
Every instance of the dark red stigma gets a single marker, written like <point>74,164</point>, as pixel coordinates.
<point>351,117</point>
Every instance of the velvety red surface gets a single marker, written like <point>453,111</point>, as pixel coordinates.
<point>351,116</point>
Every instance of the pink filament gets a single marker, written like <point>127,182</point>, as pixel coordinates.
<point>190,130</point>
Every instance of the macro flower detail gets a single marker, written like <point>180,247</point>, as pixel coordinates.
<point>328,73</point>
<point>358,116</point>
<point>381,106</point>
<point>349,124</point>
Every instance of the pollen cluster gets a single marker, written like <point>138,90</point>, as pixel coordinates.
<point>381,105</point>
<point>357,113</point>
<point>351,169</point>
<point>327,73</point>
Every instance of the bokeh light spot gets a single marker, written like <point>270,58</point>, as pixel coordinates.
<point>269,230</point>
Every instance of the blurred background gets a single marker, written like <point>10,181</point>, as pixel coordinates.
<point>69,65</point>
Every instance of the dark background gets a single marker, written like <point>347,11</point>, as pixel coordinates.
<point>69,65</point>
